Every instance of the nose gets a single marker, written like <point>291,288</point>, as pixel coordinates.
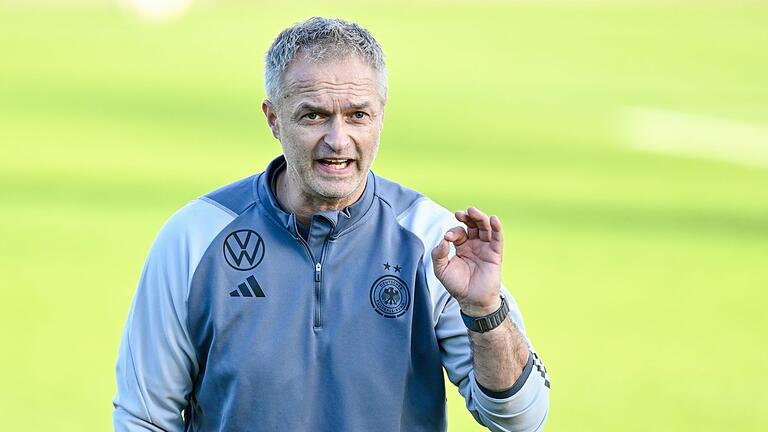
<point>336,137</point>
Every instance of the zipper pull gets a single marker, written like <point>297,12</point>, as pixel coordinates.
<point>318,269</point>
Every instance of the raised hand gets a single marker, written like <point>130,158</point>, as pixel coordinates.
<point>473,275</point>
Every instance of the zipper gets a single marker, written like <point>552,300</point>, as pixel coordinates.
<point>318,287</point>
<point>318,321</point>
<point>318,282</point>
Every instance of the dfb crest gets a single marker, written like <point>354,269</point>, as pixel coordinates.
<point>390,296</point>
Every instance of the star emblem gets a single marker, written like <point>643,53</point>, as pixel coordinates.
<point>398,268</point>
<point>387,266</point>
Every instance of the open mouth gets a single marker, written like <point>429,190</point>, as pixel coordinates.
<point>336,164</point>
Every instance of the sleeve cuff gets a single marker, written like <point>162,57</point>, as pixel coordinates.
<point>504,394</point>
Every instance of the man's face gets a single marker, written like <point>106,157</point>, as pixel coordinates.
<point>328,123</point>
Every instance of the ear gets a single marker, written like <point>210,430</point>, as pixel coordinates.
<point>269,111</point>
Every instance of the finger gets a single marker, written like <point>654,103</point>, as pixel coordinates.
<point>482,222</point>
<point>440,257</point>
<point>465,218</point>
<point>456,235</point>
<point>497,235</point>
<point>469,222</point>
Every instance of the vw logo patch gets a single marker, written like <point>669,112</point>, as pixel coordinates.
<point>243,249</point>
<point>390,296</point>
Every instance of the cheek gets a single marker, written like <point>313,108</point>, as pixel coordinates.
<point>297,143</point>
<point>367,136</point>
<point>371,142</point>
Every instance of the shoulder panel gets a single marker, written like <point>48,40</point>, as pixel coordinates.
<point>235,197</point>
<point>397,196</point>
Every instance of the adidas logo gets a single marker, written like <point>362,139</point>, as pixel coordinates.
<point>243,290</point>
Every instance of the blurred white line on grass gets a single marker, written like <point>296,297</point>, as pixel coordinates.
<point>158,10</point>
<point>684,134</point>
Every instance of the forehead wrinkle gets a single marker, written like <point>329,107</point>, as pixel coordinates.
<point>343,99</point>
<point>320,95</point>
<point>316,85</point>
<point>358,80</point>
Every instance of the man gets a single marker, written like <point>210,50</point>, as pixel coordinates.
<point>317,295</point>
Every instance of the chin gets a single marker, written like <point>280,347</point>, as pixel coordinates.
<point>332,193</point>
<point>336,190</point>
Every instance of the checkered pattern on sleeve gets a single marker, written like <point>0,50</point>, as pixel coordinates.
<point>537,363</point>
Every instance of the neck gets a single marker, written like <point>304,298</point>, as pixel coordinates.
<point>303,205</point>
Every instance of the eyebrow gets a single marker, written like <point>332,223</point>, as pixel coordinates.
<point>308,106</point>
<point>358,106</point>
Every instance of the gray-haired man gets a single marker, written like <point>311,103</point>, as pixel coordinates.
<point>318,296</point>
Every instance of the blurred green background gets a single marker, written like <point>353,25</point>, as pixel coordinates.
<point>642,275</point>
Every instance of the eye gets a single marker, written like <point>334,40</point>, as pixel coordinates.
<point>359,115</point>
<point>311,116</point>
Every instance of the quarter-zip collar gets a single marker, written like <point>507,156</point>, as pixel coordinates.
<point>340,221</point>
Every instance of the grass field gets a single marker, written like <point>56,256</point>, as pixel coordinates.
<point>643,277</point>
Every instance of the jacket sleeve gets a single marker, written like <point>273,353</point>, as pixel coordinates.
<point>523,407</point>
<point>157,363</point>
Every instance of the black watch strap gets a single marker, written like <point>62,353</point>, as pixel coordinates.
<point>489,322</point>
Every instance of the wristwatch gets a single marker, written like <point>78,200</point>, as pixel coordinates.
<point>488,322</point>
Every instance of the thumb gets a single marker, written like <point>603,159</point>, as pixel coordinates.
<point>440,257</point>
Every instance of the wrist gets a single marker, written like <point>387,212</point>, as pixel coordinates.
<point>475,309</point>
<point>487,322</point>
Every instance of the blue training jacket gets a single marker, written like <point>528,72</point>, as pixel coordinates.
<point>241,324</point>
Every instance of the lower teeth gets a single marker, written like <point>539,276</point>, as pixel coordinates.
<point>337,165</point>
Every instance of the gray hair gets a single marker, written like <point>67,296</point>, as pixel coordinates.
<point>321,39</point>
